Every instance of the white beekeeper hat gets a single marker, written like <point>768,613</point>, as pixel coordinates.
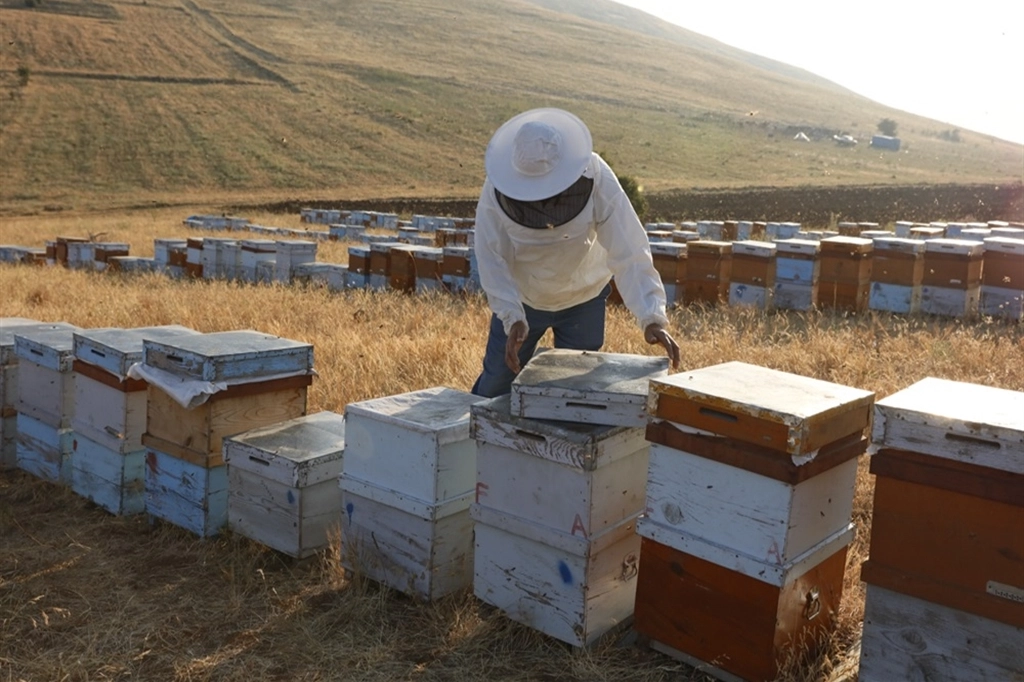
<point>538,153</point>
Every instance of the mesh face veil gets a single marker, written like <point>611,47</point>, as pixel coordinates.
<point>546,214</point>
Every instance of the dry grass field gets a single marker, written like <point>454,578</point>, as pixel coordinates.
<point>87,596</point>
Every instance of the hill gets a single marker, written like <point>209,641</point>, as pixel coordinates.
<point>132,102</point>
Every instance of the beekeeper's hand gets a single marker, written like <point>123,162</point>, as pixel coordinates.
<point>516,338</point>
<point>655,333</point>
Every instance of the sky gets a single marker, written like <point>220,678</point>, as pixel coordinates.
<point>961,63</point>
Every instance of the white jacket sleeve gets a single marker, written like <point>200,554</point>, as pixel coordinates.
<point>493,253</point>
<point>629,250</point>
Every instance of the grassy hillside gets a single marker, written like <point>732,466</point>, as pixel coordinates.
<point>178,101</point>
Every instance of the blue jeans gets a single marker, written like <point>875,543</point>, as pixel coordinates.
<point>580,327</point>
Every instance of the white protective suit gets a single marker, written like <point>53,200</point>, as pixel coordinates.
<point>558,268</point>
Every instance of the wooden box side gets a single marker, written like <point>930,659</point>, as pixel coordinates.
<point>729,620</point>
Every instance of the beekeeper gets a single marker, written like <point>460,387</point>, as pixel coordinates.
<point>553,226</point>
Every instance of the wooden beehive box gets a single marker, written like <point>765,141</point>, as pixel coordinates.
<point>797,261</point>
<point>753,263</point>
<point>736,623</point>
<point>1003,263</point>
<point>952,263</point>
<point>573,589</point>
<point>428,269</point>
<point>43,450</point>
<point>45,381</point>
<point>407,483</point>
<point>670,261</point>
<point>231,355</point>
<point>9,384</point>
<point>949,482</point>
<point>402,268</point>
<point>845,260</point>
<point>758,502</point>
<point>589,477</point>
<point>556,547</point>
<point>766,407</point>
<point>898,261</point>
<point>906,638</point>
<point>416,444</point>
<point>283,482</point>
<point>586,386</point>
<point>114,481</point>
<point>188,495</point>
<point>290,253</point>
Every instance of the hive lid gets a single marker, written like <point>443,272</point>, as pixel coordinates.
<point>586,386</point>
<point>297,452</point>
<point>115,350</point>
<point>48,347</point>
<point>774,409</point>
<point>972,423</point>
<point>9,326</point>
<point>222,356</point>
<point>441,410</point>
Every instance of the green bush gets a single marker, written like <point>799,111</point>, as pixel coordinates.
<point>887,126</point>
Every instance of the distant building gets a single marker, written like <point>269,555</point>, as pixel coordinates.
<point>886,142</point>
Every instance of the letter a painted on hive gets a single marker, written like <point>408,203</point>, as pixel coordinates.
<point>577,524</point>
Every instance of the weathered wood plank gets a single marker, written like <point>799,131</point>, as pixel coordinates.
<point>906,638</point>
<point>298,452</point>
<point>191,497</point>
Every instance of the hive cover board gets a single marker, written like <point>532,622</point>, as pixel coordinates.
<point>298,452</point>
<point>585,386</point>
<point>9,326</point>
<point>115,350</point>
<point>971,423</point>
<point>223,356</point>
<point>767,407</point>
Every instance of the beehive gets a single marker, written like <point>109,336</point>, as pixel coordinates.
<point>670,262</point>
<point>896,275</point>
<point>9,383</point>
<point>555,511</point>
<point>796,273</point>
<point>110,416</point>
<point>708,269</point>
<point>748,513</point>
<point>949,481</point>
<point>845,273</point>
<point>752,282</point>
<point>407,482</point>
<point>1002,278</point>
<point>263,380</point>
<point>283,482</point>
<point>951,284</point>
<point>584,386</point>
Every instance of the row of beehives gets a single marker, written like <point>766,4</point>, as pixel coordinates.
<point>950,277</point>
<point>741,230</point>
<point>713,505</point>
<point>338,217</point>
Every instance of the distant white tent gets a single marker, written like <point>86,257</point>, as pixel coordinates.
<point>801,137</point>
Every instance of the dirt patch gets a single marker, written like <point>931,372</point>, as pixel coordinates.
<point>809,205</point>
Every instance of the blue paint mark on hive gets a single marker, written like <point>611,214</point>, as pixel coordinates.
<point>348,510</point>
<point>563,570</point>
<point>291,497</point>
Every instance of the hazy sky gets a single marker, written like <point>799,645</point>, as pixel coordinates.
<point>961,63</point>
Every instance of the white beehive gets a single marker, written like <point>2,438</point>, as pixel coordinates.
<point>252,252</point>
<point>45,380</point>
<point>43,450</point>
<point>283,482</point>
<point>291,253</point>
<point>110,415</point>
<point>556,547</point>
<point>407,482</point>
<point>9,383</point>
<point>586,386</point>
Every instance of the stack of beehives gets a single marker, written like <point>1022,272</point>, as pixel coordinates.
<point>407,481</point>
<point>560,483</point>
<point>748,515</point>
<point>945,572</point>
<point>201,389</point>
<point>110,416</point>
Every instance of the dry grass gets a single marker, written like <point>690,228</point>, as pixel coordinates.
<point>86,596</point>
